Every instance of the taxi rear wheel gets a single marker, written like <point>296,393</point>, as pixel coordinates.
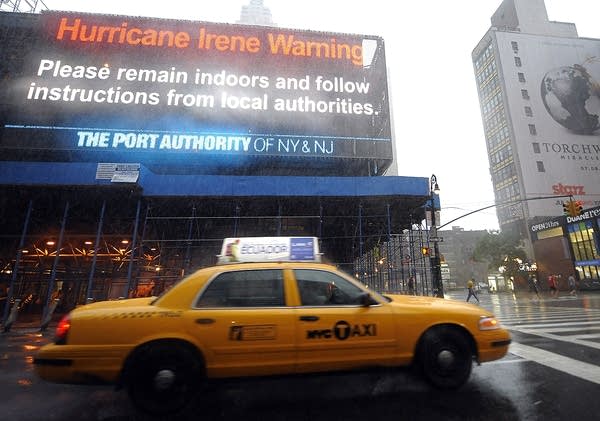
<point>445,357</point>
<point>163,378</point>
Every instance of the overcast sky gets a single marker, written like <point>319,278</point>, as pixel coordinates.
<point>428,45</point>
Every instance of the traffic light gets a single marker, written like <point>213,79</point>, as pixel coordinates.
<point>573,207</point>
<point>572,210</point>
<point>578,207</point>
<point>425,251</point>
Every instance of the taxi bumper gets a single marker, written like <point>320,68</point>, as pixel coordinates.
<point>493,345</point>
<point>79,364</point>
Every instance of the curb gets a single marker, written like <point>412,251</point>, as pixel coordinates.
<point>30,327</point>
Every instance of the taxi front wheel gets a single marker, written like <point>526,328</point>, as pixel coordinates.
<point>163,378</point>
<point>445,358</point>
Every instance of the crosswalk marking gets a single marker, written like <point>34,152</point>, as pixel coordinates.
<point>572,339</point>
<point>567,365</point>
<point>589,336</point>
<point>545,325</point>
<point>568,329</point>
<point>505,361</point>
<point>548,319</point>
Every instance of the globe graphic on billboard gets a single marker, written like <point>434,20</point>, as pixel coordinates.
<point>572,98</point>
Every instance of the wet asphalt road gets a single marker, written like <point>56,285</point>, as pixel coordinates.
<point>551,375</point>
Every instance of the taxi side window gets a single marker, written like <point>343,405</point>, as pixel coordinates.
<point>321,288</point>
<point>245,288</point>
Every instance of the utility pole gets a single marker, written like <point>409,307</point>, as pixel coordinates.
<point>434,258</point>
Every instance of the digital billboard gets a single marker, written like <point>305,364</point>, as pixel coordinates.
<point>105,88</point>
<point>553,91</point>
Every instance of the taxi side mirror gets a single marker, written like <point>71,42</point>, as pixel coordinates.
<point>366,300</point>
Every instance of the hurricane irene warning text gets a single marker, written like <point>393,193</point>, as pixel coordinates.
<point>276,43</point>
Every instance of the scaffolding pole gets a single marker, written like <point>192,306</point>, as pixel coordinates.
<point>133,245</point>
<point>95,257</point>
<point>13,278</point>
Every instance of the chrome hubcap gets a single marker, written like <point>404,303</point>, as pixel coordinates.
<point>445,358</point>
<point>164,379</point>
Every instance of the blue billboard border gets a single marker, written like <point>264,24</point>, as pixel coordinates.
<point>69,174</point>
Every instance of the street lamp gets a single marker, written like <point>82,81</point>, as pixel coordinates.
<point>434,258</point>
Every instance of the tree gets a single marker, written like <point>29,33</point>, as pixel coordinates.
<point>502,250</point>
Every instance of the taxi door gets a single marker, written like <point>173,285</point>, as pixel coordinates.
<point>244,326</point>
<point>334,331</point>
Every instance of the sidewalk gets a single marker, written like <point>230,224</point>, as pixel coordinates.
<point>591,298</point>
<point>32,322</point>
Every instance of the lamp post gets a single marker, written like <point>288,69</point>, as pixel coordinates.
<point>434,259</point>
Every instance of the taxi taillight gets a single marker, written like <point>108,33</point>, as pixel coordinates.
<point>62,330</point>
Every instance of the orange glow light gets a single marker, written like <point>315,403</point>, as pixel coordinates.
<point>30,347</point>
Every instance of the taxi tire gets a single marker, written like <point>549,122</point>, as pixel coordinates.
<point>146,366</point>
<point>445,357</point>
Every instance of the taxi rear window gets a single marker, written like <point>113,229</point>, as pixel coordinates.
<point>244,288</point>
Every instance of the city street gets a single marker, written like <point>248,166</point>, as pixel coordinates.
<point>551,373</point>
<point>213,192</point>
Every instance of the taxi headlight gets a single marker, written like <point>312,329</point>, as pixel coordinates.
<point>488,323</point>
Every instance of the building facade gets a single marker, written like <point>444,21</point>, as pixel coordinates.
<point>569,245</point>
<point>540,104</point>
<point>256,13</point>
<point>457,250</point>
<point>130,147</point>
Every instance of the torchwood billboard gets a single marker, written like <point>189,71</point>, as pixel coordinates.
<point>554,102</point>
<point>89,87</point>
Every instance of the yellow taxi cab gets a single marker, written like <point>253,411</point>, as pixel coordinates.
<point>288,314</point>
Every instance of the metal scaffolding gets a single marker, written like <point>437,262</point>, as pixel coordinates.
<point>22,6</point>
<point>97,246</point>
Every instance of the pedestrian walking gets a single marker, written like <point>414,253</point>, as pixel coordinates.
<point>471,288</point>
<point>411,285</point>
<point>572,285</point>
<point>553,285</point>
<point>534,287</point>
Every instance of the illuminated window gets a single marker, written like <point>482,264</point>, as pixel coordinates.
<point>581,236</point>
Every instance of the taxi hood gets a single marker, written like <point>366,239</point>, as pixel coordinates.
<point>445,304</point>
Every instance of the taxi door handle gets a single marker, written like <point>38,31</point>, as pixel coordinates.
<point>309,318</point>
<point>205,321</point>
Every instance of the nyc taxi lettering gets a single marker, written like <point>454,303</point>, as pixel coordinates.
<point>343,330</point>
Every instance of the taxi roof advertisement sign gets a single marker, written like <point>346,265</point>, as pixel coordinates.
<point>269,249</point>
<point>147,89</point>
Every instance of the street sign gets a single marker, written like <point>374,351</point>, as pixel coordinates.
<point>436,239</point>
